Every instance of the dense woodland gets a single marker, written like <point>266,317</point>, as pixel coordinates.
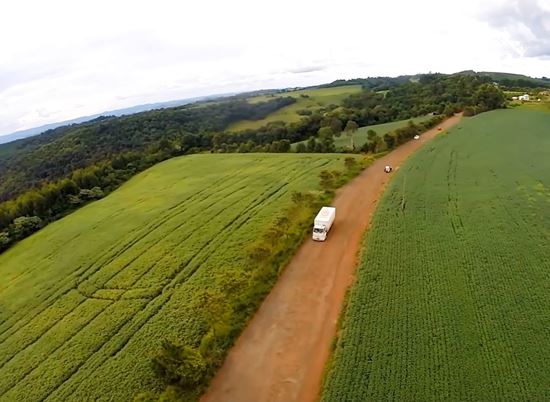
<point>45,177</point>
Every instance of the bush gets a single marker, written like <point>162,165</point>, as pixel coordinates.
<point>26,225</point>
<point>179,364</point>
<point>4,240</point>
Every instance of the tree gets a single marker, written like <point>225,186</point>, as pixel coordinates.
<point>311,144</point>
<point>350,163</point>
<point>179,364</point>
<point>489,97</point>
<point>336,126</point>
<point>389,140</point>
<point>25,225</point>
<point>212,306</point>
<point>301,148</point>
<point>449,110</point>
<point>325,132</point>
<point>284,146</point>
<point>326,180</point>
<point>351,129</point>
<point>91,194</point>
<point>4,240</point>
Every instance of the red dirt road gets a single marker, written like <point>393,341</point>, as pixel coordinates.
<point>281,354</point>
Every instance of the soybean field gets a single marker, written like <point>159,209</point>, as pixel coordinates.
<point>86,301</point>
<point>452,297</point>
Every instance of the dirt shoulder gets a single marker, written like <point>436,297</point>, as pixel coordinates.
<point>281,354</point>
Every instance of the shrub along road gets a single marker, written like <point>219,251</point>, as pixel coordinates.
<point>281,354</point>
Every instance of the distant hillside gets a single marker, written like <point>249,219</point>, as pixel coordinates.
<point>373,83</point>
<point>511,80</point>
<point>56,153</point>
<point>118,112</point>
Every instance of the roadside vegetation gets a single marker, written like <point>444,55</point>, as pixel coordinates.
<point>452,283</point>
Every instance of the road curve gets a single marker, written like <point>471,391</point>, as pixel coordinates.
<point>281,354</point>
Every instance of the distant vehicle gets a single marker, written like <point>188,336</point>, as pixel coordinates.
<point>323,222</point>
<point>388,168</point>
<point>439,128</point>
<point>416,137</point>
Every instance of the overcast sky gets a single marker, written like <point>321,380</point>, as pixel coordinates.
<point>64,59</point>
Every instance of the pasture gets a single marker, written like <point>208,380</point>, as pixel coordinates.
<point>86,301</point>
<point>452,297</point>
<point>306,99</point>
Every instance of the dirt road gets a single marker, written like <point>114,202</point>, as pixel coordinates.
<point>281,355</point>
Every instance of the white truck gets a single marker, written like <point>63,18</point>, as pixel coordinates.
<point>323,222</point>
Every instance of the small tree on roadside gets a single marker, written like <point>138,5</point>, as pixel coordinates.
<point>179,364</point>
<point>350,163</point>
<point>389,140</point>
<point>326,180</point>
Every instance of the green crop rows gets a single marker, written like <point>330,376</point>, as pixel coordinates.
<point>85,302</point>
<point>452,299</point>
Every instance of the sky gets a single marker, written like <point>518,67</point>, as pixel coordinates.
<point>62,59</point>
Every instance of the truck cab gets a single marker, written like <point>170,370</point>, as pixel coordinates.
<point>320,233</point>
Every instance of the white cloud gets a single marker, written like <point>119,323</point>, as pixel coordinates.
<point>63,59</point>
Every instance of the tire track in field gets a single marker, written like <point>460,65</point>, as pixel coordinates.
<point>245,217</point>
<point>146,249</point>
<point>115,345</point>
<point>57,296</point>
<point>28,372</point>
<point>204,209</point>
<point>116,248</point>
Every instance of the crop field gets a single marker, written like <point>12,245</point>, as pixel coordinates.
<point>452,298</point>
<point>85,302</point>
<point>311,99</point>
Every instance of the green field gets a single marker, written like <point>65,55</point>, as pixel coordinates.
<point>316,98</point>
<point>452,299</point>
<point>85,302</point>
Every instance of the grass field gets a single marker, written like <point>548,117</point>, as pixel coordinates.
<point>452,297</point>
<point>85,302</point>
<point>316,98</point>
